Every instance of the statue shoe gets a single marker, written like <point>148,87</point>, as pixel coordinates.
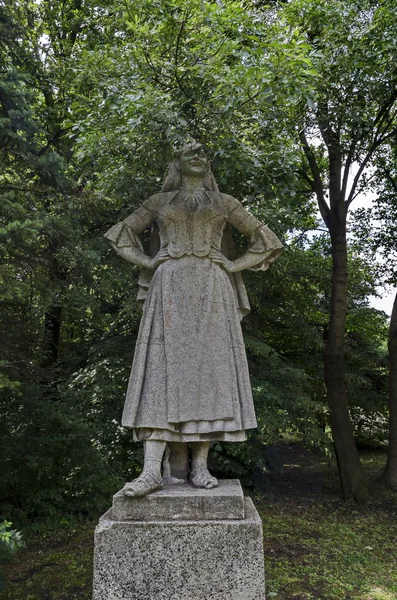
<point>203,479</point>
<point>143,485</point>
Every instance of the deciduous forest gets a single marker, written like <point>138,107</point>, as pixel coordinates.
<point>295,102</point>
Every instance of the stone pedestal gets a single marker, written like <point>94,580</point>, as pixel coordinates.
<point>180,543</point>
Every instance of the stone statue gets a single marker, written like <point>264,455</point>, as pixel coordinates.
<point>189,381</point>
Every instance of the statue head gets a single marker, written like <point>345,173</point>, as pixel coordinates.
<point>191,160</point>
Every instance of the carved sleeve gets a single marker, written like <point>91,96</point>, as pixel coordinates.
<point>126,233</point>
<point>263,242</point>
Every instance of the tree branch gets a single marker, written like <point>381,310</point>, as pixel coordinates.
<point>303,233</point>
<point>374,146</point>
<point>383,113</point>
<point>380,137</point>
<point>158,75</point>
<point>176,56</point>
<point>385,107</point>
<point>329,136</point>
<point>349,160</point>
<point>317,183</point>
<point>306,177</point>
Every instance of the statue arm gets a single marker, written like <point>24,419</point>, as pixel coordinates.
<point>135,256</point>
<point>264,247</point>
<point>124,236</point>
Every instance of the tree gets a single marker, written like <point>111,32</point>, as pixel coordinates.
<point>44,259</point>
<point>305,65</point>
<point>95,94</point>
<point>349,117</point>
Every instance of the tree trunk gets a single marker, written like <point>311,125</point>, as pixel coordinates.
<point>350,469</point>
<point>53,314</point>
<point>389,476</point>
<point>51,336</point>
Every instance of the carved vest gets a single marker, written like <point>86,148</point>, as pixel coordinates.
<point>185,232</point>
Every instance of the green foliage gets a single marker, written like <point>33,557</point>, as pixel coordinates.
<point>10,538</point>
<point>93,97</point>
<point>10,541</point>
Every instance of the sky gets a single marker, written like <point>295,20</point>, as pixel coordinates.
<point>384,303</point>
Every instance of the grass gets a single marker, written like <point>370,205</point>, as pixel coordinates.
<point>319,548</point>
<point>316,546</point>
<point>327,552</point>
<point>53,567</point>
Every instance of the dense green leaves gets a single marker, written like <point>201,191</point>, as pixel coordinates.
<point>94,95</point>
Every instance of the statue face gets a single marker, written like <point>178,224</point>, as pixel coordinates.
<point>193,161</point>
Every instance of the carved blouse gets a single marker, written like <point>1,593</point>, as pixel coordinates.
<point>194,224</point>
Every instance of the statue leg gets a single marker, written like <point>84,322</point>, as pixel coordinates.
<point>200,475</point>
<point>176,463</point>
<point>150,478</point>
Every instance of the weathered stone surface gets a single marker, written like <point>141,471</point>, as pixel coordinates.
<point>183,502</point>
<point>179,560</point>
<point>189,380</point>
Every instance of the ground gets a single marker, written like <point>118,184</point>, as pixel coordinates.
<point>316,546</point>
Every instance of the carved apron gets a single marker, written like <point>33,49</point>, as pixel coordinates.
<point>189,379</point>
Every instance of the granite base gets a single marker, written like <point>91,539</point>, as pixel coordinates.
<point>180,559</point>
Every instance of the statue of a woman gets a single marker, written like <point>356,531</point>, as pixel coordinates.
<point>189,380</point>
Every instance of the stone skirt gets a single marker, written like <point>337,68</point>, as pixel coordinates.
<point>189,379</point>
